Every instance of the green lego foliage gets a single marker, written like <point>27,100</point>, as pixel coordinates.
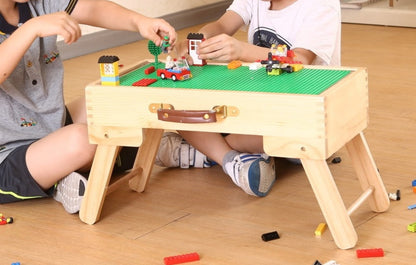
<point>154,50</point>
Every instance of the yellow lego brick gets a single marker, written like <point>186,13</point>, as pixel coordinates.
<point>116,83</point>
<point>297,67</point>
<point>320,229</point>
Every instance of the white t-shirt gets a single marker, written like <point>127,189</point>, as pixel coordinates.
<point>314,25</point>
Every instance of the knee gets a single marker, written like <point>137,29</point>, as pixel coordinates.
<point>78,142</point>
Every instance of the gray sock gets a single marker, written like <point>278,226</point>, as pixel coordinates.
<point>228,158</point>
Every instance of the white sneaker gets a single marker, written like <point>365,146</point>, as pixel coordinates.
<point>254,173</point>
<point>70,192</point>
<point>174,151</point>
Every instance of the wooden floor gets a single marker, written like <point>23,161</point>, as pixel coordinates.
<point>201,210</point>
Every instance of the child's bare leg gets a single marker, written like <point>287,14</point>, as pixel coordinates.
<point>245,143</point>
<point>212,145</point>
<point>60,153</point>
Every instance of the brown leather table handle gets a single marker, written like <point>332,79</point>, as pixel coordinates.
<point>187,116</point>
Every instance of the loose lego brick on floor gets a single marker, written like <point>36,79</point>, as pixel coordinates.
<point>320,229</point>
<point>336,160</point>
<point>395,196</point>
<point>411,207</point>
<point>370,252</point>
<point>411,227</point>
<point>270,236</point>
<point>5,220</point>
<point>181,258</point>
<point>331,262</point>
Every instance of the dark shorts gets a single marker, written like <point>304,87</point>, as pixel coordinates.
<point>16,183</point>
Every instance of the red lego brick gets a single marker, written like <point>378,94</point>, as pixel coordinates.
<point>181,258</point>
<point>149,70</point>
<point>370,252</point>
<point>144,82</point>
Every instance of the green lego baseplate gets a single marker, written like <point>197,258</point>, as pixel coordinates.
<point>219,77</point>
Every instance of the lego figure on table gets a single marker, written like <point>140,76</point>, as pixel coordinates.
<point>169,64</point>
<point>165,44</point>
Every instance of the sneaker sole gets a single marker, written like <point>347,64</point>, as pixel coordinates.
<point>67,192</point>
<point>260,186</point>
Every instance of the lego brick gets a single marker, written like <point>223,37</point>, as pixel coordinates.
<point>411,207</point>
<point>270,236</point>
<point>144,82</point>
<point>331,262</point>
<point>411,227</point>
<point>234,64</point>
<point>395,196</point>
<point>181,258</point>
<point>370,252</point>
<point>5,220</point>
<point>149,70</point>
<point>320,229</point>
<point>336,160</point>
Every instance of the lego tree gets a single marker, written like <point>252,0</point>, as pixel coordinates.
<point>154,50</point>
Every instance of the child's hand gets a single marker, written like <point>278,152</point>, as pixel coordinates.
<point>181,49</point>
<point>155,29</point>
<point>221,47</point>
<point>59,23</point>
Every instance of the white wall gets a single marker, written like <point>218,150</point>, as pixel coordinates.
<point>155,8</point>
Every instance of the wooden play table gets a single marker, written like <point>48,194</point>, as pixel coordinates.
<point>309,115</point>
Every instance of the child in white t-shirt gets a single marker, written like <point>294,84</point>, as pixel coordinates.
<point>311,28</point>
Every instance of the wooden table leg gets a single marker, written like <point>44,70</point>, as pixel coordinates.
<point>331,203</point>
<point>367,173</point>
<point>146,157</point>
<point>98,181</point>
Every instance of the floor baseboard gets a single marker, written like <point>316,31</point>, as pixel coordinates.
<point>106,39</point>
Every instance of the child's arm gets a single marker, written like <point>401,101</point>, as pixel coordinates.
<point>14,47</point>
<point>304,55</point>
<point>227,24</point>
<point>220,45</point>
<point>110,15</point>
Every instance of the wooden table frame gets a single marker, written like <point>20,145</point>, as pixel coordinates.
<point>311,129</point>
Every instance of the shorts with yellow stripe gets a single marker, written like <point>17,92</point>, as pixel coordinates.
<point>16,183</point>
